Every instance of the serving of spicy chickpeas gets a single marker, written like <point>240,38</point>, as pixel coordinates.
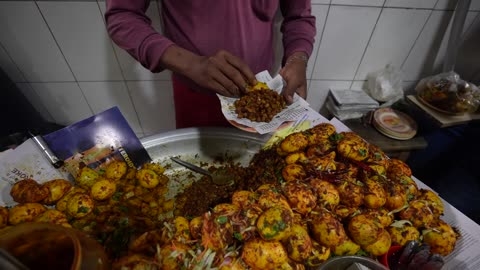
<point>259,105</point>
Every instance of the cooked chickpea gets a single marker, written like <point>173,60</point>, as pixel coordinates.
<point>259,106</point>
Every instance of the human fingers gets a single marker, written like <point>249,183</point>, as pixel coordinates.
<point>234,75</point>
<point>294,74</point>
<point>288,95</point>
<point>227,86</point>
<point>241,66</point>
<point>293,85</point>
<point>218,88</point>
<point>302,91</point>
<point>288,89</point>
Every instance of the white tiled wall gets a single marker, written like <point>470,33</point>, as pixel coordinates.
<point>64,100</point>
<point>82,39</point>
<point>392,47</point>
<point>61,58</point>
<point>342,44</point>
<point>29,42</point>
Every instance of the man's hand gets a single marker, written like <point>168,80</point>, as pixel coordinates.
<point>295,75</point>
<point>222,72</point>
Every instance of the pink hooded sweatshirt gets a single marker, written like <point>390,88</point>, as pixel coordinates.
<point>241,27</point>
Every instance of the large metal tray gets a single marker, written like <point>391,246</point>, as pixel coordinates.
<point>204,143</point>
<point>200,146</point>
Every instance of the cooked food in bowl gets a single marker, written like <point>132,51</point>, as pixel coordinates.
<point>260,104</point>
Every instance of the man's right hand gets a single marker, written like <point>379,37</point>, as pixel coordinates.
<point>222,72</point>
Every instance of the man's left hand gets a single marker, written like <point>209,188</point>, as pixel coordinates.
<point>295,75</point>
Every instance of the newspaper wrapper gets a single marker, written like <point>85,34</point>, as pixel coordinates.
<point>92,142</point>
<point>25,161</point>
<point>292,113</point>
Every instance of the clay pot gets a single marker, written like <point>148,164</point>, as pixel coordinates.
<point>49,246</point>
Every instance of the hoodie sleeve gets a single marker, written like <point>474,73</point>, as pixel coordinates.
<point>298,27</point>
<point>131,29</point>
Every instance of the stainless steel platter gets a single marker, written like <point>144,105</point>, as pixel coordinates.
<point>204,144</point>
<point>200,146</point>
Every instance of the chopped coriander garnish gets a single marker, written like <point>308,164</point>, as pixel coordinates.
<point>83,209</point>
<point>238,236</point>
<point>222,220</point>
<point>116,196</point>
<point>335,137</point>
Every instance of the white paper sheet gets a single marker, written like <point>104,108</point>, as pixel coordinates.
<point>295,111</point>
<point>25,161</point>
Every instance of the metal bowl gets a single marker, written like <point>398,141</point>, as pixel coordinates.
<point>200,146</point>
<point>205,144</point>
<point>343,262</point>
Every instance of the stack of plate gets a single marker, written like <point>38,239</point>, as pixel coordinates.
<point>394,124</point>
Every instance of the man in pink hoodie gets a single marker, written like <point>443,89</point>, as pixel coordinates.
<point>214,46</point>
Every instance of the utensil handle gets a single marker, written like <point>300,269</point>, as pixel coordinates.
<point>191,166</point>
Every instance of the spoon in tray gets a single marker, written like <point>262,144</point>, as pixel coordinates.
<point>219,177</point>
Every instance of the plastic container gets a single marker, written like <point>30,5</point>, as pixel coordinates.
<point>49,246</point>
<point>449,94</point>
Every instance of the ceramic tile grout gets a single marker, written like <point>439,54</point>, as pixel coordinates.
<point>14,63</point>
<point>368,43</point>
<point>122,72</point>
<point>41,103</point>
<point>417,38</point>
<point>64,57</point>
<point>55,40</point>
<point>320,41</point>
